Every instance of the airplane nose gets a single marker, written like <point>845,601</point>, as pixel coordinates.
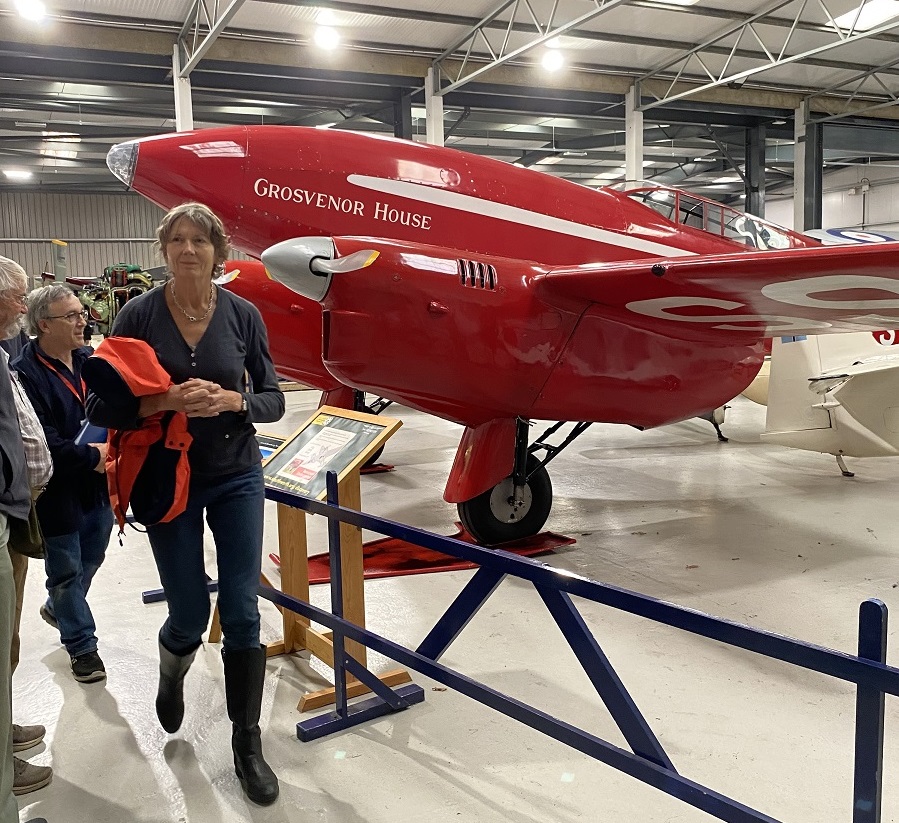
<point>122,160</point>
<point>290,263</point>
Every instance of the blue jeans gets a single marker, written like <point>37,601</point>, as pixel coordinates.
<point>233,506</point>
<point>71,561</point>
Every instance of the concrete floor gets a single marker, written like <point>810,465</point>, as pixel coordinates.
<point>747,531</point>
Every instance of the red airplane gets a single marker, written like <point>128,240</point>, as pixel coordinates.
<point>492,295</point>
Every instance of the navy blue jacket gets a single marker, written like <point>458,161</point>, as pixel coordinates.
<point>75,487</point>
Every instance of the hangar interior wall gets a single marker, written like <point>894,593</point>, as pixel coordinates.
<point>100,229</point>
<point>845,205</point>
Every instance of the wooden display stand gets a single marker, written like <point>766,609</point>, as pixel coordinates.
<point>338,440</point>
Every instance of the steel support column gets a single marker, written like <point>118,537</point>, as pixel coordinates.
<point>633,136</point>
<point>184,111</point>
<point>433,109</point>
<point>808,172</point>
<point>754,174</point>
<point>402,117</point>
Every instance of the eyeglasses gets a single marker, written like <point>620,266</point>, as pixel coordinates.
<point>71,317</point>
<point>21,299</point>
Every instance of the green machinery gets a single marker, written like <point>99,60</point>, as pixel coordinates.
<point>104,296</point>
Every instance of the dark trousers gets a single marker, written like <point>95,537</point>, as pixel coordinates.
<point>71,561</point>
<point>233,506</point>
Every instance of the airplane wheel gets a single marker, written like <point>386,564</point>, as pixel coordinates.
<point>492,518</point>
<point>374,458</point>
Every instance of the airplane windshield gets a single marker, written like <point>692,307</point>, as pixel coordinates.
<point>714,218</point>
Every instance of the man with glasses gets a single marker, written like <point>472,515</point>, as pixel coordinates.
<point>17,424</point>
<point>74,510</point>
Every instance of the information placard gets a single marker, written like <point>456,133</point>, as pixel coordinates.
<point>332,439</point>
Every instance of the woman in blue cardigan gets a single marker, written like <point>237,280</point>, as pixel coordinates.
<point>214,346</point>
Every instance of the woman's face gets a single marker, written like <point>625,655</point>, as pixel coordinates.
<point>189,251</point>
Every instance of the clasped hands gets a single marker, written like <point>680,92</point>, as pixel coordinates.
<point>203,398</point>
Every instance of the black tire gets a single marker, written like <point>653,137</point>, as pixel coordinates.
<point>490,518</point>
<point>374,458</point>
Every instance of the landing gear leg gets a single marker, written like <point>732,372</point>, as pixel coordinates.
<point>845,471</point>
<point>716,418</point>
<point>379,405</point>
<point>516,507</point>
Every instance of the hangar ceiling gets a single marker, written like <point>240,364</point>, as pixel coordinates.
<point>97,72</point>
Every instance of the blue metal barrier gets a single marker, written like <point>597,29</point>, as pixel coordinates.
<point>648,760</point>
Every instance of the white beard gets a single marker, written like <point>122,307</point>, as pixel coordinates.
<point>13,328</point>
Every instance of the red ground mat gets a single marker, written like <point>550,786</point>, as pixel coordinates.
<point>376,468</point>
<point>390,557</point>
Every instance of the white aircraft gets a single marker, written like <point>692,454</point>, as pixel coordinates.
<point>833,393</point>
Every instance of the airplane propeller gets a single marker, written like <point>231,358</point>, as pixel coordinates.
<point>306,264</point>
<point>341,265</point>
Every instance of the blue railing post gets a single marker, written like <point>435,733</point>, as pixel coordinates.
<point>336,565</point>
<point>869,717</point>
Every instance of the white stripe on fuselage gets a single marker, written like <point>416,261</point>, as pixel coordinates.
<point>521,217</point>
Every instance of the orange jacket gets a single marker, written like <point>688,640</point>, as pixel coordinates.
<point>132,370</point>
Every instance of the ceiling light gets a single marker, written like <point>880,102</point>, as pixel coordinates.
<point>31,9</point>
<point>62,136</point>
<point>326,38</point>
<point>873,13</point>
<point>553,60</point>
<point>17,174</point>
<point>554,43</point>
<point>325,125</point>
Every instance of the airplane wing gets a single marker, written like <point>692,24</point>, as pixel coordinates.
<point>768,293</point>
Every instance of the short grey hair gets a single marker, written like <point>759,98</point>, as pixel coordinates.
<point>39,304</point>
<point>202,216</point>
<point>12,275</point>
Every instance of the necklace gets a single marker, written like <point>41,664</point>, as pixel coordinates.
<point>184,311</point>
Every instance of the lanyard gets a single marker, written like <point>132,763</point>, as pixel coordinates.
<point>79,396</point>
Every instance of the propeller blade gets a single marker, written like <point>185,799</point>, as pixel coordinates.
<point>352,262</point>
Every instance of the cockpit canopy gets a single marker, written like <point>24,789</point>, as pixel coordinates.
<point>715,218</point>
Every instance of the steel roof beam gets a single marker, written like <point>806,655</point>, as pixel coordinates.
<point>471,22</point>
<point>857,80</point>
<point>191,49</point>
<point>689,65</point>
<point>503,53</point>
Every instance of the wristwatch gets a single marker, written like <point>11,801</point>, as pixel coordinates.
<point>243,405</point>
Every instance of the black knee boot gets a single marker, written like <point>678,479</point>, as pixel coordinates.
<point>244,678</point>
<point>170,697</point>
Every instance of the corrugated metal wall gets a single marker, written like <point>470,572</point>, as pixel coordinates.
<point>100,229</point>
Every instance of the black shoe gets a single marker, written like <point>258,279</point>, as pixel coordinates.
<point>244,678</point>
<point>170,697</point>
<point>88,668</point>
<point>48,616</point>
<point>256,777</point>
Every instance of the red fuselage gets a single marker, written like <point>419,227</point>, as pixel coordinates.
<point>410,328</point>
